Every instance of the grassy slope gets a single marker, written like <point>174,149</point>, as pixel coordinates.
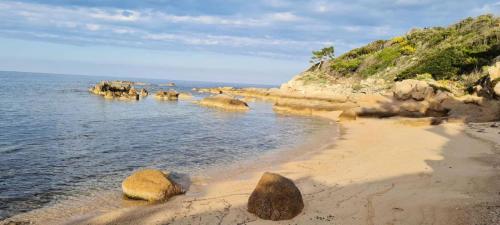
<point>451,53</point>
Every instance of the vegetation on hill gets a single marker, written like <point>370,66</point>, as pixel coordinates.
<point>452,53</point>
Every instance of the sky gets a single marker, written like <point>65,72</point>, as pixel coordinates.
<point>236,41</point>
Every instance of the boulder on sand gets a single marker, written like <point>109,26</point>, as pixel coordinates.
<point>224,102</point>
<point>150,185</point>
<point>170,95</point>
<point>412,89</point>
<point>275,198</point>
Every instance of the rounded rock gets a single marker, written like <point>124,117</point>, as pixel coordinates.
<point>150,185</point>
<point>275,198</point>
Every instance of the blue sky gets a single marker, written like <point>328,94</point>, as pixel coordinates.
<point>258,41</point>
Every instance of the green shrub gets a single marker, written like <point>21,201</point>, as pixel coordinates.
<point>407,50</point>
<point>424,76</point>
<point>443,64</point>
<point>346,66</point>
<point>383,59</point>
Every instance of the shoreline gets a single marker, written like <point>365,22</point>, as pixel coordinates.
<point>111,200</point>
<point>449,176</point>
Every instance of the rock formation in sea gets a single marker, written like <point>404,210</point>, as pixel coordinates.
<point>225,102</point>
<point>185,96</point>
<point>122,90</point>
<point>144,92</point>
<point>170,95</point>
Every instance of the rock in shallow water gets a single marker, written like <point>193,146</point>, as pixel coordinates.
<point>150,185</point>
<point>224,102</point>
<point>275,198</point>
<point>170,95</point>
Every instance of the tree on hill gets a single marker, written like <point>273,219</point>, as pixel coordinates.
<point>327,53</point>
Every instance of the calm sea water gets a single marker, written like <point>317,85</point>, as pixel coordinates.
<point>59,141</point>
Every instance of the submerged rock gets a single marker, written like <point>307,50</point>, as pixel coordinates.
<point>150,185</point>
<point>275,198</point>
<point>224,102</point>
<point>170,95</point>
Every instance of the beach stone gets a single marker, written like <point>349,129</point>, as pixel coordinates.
<point>224,102</point>
<point>150,185</point>
<point>412,89</point>
<point>275,198</point>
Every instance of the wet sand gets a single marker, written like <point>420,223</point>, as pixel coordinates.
<point>381,171</point>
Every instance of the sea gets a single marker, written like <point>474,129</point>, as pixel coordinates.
<point>59,142</point>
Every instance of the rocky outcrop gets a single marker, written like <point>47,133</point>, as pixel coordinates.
<point>115,90</point>
<point>150,185</point>
<point>169,95</point>
<point>275,198</point>
<point>224,102</point>
<point>185,96</point>
<point>494,71</point>
<point>144,92</point>
<point>169,84</point>
<point>412,89</point>
<point>497,89</point>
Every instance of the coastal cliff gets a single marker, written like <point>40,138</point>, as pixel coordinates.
<point>453,57</point>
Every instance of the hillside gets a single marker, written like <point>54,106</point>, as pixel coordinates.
<point>455,56</point>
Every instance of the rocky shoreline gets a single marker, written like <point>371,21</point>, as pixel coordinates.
<point>408,98</point>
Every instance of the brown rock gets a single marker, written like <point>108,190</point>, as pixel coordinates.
<point>170,95</point>
<point>150,185</point>
<point>347,115</point>
<point>185,96</point>
<point>412,89</point>
<point>224,102</point>
<point>275,198</point>
<point>115,89</point>
<point>144,92</point>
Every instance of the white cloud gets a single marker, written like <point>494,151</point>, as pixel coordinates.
<point>123,30</point>
<point>93,27</point>
<point>412,2</point>
<point>488,8</point>
<point>277,3</point>
<point>209,20</point>
<point>352,28</point>
<point>115,15</point>
<point>284,17</point>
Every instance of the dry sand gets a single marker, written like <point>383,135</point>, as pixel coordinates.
<point>381,171</point>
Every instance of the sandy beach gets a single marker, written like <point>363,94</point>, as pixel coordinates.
<point>381,171</point>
